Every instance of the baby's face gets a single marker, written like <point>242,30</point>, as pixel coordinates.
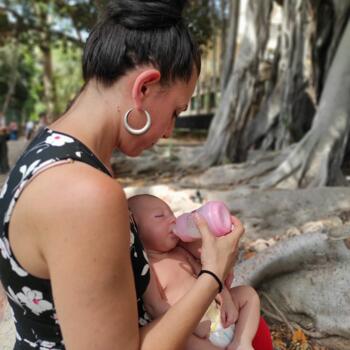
<point>155,222</point>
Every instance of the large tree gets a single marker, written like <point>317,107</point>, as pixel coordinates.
<point>309,72</point>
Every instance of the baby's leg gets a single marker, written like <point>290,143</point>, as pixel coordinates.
<point>248,318</point>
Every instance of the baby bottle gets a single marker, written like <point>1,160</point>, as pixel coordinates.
<point>216,215</point>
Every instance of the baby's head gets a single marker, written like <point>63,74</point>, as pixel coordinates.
<point>155,222</point>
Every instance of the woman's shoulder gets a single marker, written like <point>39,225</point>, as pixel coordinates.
<point>75,193</point>
<point>75,181</point>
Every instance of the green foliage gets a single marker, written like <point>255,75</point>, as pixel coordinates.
<point>67,73</point>
<point>26,99</point>
<point>59,26</point>
<point>202,19</point>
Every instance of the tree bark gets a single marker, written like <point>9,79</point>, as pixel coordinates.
<point>287,111</point>
<point>45,48</point>
<point>231,116</point>
<point>307,279</point>
<point>231,44</point>
<point>13,80</point>
<point>317,158</point>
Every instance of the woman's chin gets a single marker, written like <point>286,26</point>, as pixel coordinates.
<point>137,152</point>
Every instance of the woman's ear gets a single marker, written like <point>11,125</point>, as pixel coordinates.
<point>143,84</point>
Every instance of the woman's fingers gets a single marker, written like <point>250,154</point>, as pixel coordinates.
<point>202,226</point>
<point>238,228</point>
<point>219,253</point>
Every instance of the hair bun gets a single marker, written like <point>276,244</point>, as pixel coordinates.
<point>145,14</point>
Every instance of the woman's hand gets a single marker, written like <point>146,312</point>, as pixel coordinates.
<point>219,253</point>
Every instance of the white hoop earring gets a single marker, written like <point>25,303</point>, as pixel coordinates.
<point>137,131</point>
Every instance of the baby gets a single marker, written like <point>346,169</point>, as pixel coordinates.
<point>231,320</point>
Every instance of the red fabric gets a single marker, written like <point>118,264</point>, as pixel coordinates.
<point>262,340</point>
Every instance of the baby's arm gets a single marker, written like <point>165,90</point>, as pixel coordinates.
<point>248,319</point>
<point>154,297</point>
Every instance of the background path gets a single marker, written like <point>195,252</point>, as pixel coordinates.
<point>15,150</point>
<point>7,329</point>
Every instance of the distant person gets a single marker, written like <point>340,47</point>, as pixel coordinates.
<point>4,162</point>
<point>231,321</point>
<point>29,129</point>
<point>13,129</point>
<point>42,122</point>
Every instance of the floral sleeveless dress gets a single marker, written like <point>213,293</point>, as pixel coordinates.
<point>30,297</point>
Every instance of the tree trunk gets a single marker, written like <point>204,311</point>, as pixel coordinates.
<point>13,80</point>
<point>230,45</point>
<point>45,48</point>
<point>231,116</point>
<point>48,78</point>
<point>317,158</point>
<point>306,280</point>
<point>287,111</point>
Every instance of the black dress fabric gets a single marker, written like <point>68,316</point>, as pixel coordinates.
<point>30,297</point>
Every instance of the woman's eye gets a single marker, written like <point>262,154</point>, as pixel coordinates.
<point>158,216</point>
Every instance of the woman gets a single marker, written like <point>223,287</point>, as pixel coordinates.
<point>72,273</point>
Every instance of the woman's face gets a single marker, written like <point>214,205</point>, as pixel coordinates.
<point>164,104</point>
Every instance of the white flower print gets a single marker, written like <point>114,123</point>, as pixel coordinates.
<point>9,210</point>
<point>43,345</point>
<point>33,299</point>
<point>32,344</point>
<point>145,255</point>
<point>26,170</point>
<point>12,295</point>
<point>58,140</point>
<point>54,317</point>
<point>132,239</point>
<point>145,270</point>
<point>142,321</point>
<point>3,190</point>
<point>78,154</point>
<point>6,253</point>
<point>146,267</point>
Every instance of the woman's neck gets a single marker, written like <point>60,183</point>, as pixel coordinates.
<point>92,120</point>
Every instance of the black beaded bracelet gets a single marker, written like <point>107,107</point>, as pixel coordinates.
<point>215,277</point>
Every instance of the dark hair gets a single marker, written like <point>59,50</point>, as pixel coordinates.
<point>136,32</point>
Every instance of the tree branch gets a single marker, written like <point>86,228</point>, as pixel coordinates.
<point>22,26</point>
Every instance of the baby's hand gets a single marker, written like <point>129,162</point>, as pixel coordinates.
<point>228,313</point>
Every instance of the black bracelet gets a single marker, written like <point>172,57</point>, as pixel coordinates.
<point>215,277</point>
